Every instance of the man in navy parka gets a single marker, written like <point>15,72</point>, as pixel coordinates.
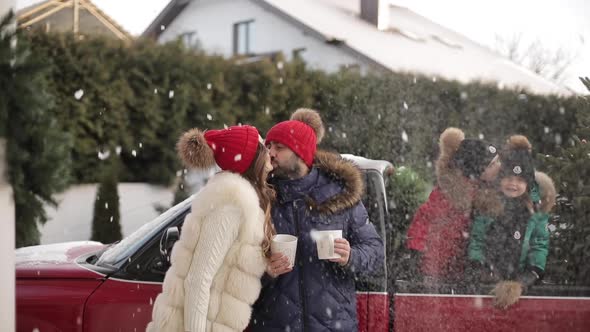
<point>315,191</point>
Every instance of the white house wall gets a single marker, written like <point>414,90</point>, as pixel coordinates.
<point>72,220</point>
<point>212,22</point>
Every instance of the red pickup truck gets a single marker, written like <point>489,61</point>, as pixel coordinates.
<point>89,286</point>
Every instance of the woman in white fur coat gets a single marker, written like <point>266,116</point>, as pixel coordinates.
<point>217,263</point>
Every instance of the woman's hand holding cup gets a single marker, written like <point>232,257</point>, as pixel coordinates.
<point>278,264</point>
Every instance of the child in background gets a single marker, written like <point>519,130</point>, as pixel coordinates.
<point>509,239</point>
<point>438,235</point>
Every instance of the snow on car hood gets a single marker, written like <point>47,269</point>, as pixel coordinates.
<point>54,260</point>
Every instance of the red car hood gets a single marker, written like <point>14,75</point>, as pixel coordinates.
<point>55,261</point>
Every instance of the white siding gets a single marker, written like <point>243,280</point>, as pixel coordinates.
<point>72,220</point>
<point>213,23</point>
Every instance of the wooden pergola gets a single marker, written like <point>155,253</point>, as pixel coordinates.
<point>51,7</point>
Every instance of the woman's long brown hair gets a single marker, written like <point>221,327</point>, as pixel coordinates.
<point>266,194</point>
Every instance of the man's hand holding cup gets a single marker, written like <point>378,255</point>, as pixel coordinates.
<point>342,248</point>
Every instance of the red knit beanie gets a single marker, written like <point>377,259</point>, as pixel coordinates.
<point>233,149</point>
<point>301,134</point>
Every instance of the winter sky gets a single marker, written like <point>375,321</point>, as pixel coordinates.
<point>557,23</point>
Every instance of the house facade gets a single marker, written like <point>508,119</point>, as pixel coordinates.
<point>333,34</point>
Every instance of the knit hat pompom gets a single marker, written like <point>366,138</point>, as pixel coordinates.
<point>450,140</point>
<point>516,142</point>
<point>194,151</point>
<point>311,118</point>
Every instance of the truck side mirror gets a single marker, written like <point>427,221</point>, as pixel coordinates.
<point>167,241</point>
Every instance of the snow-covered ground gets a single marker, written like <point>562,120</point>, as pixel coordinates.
<point>72,220</point>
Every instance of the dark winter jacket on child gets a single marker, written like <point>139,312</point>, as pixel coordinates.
<point>319,295</point>
<point>513,241</point>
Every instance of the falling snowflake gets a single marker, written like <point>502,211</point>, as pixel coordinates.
<point>267,111</point>
<point>171,94</point>
<point>162,27</point>
<point>140,145</point>
<point>562,110</point>
<point>238,157</point>
<point>118,149</point>
<point>209,86</point>
<point>404,136</point>
<point>111,219</point>
<point>343,135</point>
<point>78,94</point>
<point>547,130</point>
<point>406,105</point>
<point>134,153</point>
<point>106,205</point>
<point>103,155</point>
<point>481,136</point>
<point>155,91</point>
<point>281,80</point>
<point>464,95</point>
<point>209,117</point>
<point>280,65</point>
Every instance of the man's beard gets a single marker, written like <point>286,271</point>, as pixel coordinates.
<point>287,172</point>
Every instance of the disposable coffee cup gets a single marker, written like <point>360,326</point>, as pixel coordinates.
<point>325,243</point>
<point>285,244</point>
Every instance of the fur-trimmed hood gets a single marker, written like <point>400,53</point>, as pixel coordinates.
<point>334,184</point>
<point>489,200</point>
<point>347,174</point>
<point>451,181</point>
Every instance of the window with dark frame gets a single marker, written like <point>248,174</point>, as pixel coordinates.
<point>188,38</point>
<point>242,36</point>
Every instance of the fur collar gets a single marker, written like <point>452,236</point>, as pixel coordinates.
<point>226,188</point>
<point>347,174</point>
<point>456,188</point>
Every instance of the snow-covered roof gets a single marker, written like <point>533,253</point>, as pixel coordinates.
<point>410,43</point>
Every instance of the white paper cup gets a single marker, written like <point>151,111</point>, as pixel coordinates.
<point>285,244</point>
<point>325,243</point>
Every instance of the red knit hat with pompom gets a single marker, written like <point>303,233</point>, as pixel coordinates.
<point>233,148</point>
<point>301,134</point>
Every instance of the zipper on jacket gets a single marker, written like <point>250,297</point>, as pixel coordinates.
<point>301,274</point>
